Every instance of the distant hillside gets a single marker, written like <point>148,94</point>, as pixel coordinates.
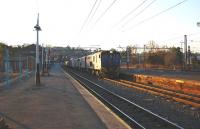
<point>65,53</point>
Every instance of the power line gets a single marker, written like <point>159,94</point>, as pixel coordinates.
<point>131,12</point>
<point>139,13</point>
<point>149,18</point>
<point>95,10</point>
<point>179,37</point>
<point>105,11</point>
<point>84,23</point>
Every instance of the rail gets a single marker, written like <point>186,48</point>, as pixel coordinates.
<point>180,97</point>
<point>135,115</point>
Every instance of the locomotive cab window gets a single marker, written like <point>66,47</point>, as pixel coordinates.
<point>99,56</point>
<point>90,64</point>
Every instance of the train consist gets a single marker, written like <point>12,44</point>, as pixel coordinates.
<point>102,63</point>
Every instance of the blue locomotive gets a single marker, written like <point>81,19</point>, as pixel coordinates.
<point>102,63</point>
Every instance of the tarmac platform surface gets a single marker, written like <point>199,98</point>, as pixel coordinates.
<point>59,103</point>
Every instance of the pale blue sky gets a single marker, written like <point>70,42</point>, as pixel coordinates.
<point>61,22</point>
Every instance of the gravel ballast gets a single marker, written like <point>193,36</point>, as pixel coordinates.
<point>184,115</point>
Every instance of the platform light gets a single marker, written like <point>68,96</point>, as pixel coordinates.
<point>37,73</point>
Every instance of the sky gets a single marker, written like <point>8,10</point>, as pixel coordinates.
<point>109,25</point>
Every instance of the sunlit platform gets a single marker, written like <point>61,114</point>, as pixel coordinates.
<point>59,103</point>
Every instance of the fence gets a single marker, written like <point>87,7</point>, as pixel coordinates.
<point>162,59</point>
<point>15,66</point>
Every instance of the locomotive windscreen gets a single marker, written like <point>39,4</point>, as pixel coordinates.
<point>110,59</point>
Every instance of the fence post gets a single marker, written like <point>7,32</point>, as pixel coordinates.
<point>27,68</point>
<point>7,66</point>
<point>20,67</point>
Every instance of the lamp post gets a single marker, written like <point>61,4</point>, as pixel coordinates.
<point>37,73</point>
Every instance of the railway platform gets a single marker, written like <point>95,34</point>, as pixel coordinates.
<point>59,103</point>
<point>182,75</point>
<point>187,82</point>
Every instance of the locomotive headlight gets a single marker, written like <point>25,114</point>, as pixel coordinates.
<point>111,51</point>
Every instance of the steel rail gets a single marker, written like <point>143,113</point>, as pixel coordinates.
<point>135,123</point>
<point>195,98</point>
<point>157,117</point>
<point>180,97</point>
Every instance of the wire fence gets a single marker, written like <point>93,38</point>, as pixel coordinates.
<point>15,66</point>
<point>160,59</point>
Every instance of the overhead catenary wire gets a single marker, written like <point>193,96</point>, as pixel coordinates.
<point>131,12</point>
<point>95,11</point>
<point>156,15</point>
<point>145,8</point>
<point>179,37</point>
<point>88,16</point>
<point>105,11</point>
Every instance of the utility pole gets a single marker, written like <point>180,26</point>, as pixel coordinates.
<point>189,57</point>
<point>127,57</point>
<point>185,50</point>
<point>42,59</point>
<point>37,74</point>
<point>144,62</point>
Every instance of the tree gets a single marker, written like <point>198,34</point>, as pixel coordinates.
<point>152,46</point>
<point>173,57</point>
<point>2,47</point>
<point>156,58</point>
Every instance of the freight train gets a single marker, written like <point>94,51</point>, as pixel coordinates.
<point>102,63</point>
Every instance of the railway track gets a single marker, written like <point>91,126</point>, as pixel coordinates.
<point>180,97</point>
<point>135,115</point>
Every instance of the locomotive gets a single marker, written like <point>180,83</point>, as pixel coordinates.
<point>102,63</point>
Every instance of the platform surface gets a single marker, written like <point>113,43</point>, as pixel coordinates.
<point>56,104</point>
<point>184,75</point>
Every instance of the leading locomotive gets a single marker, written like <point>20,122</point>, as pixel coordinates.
<point>102,63</point>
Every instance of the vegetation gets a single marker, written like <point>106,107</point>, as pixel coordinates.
<point>153,56</point>
<point>14,53</point>
<point>2,47</point>
<point>171,56</point>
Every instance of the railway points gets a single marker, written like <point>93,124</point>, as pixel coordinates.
<point>56,104</point>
